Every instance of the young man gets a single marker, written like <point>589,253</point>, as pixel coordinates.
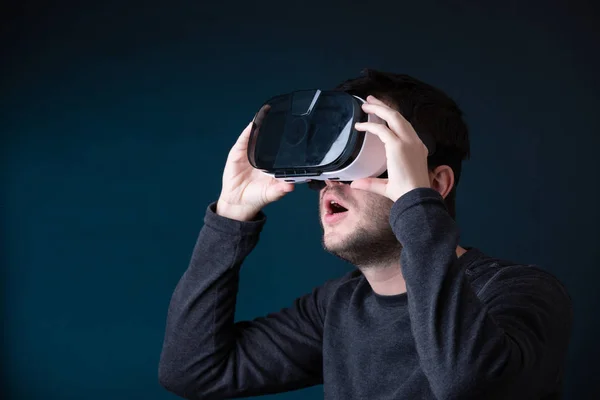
<point>419,318</point>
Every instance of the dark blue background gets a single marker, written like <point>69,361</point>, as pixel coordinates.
<point>117,118</point>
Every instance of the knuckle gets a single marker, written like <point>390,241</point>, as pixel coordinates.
<point>399,145</point>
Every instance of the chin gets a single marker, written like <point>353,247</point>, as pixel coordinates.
<point>336,237</point>
<point>331,246</point>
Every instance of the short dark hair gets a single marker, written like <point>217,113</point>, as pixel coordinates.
<point>428,109</point>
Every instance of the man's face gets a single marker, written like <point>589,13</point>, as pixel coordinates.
<point>362,235</point>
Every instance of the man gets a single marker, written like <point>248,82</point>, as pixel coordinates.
<point>420,317</point>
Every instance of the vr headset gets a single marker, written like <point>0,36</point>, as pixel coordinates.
<point>309,135</point>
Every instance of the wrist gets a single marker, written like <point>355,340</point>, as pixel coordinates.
<point>406,189</point>
<point>235,212</point>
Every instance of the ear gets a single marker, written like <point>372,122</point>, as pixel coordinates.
<point>441,178</point>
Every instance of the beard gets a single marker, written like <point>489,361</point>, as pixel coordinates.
<point>372,243</point>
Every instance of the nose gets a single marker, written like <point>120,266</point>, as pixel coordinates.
<point>319,186</point>
<point>332,183</point>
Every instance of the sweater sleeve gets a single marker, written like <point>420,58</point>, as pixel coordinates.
<point>509,341</point>
<point>206,355</point>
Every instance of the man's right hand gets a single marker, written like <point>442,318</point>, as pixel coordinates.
<point>247,190</point>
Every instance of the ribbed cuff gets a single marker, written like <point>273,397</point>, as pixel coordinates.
<point>413,198</point>
<point>232,226</point>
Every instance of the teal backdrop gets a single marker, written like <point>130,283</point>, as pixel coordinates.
<point>116,120</point>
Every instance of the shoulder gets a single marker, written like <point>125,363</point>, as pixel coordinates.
<point>492,277</point>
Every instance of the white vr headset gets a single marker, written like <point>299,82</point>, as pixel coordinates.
<point>309,135</point>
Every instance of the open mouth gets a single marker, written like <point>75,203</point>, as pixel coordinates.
<point>335,208</point>
<point>334,211</point>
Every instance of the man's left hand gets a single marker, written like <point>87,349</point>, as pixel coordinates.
<point>405,151</point>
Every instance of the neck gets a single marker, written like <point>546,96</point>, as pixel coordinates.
<point>387,280</point>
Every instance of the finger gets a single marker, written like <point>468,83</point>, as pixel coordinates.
<point>394,119</point>
<point>278,189</point>
<point>403,121</point>
<point>242,141</point>
<point>374,185</point>
<point>286,187</point>
<point>374,100</point>
<point>383,132</point>
<point>282,185</point>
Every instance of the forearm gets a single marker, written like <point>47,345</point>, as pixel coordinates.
<point>465,349</point>
<point>199,331</point>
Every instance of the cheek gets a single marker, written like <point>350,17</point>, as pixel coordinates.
<point>376,208</point>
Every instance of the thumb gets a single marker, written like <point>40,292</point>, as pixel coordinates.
<point>242,141</point>
<point>276,190</point>
<point>374,185</point>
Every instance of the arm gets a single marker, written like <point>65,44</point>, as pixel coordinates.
<point>508,342</point>
<point>206,355</point>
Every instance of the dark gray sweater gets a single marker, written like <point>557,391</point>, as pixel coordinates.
<point>472,327</point>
